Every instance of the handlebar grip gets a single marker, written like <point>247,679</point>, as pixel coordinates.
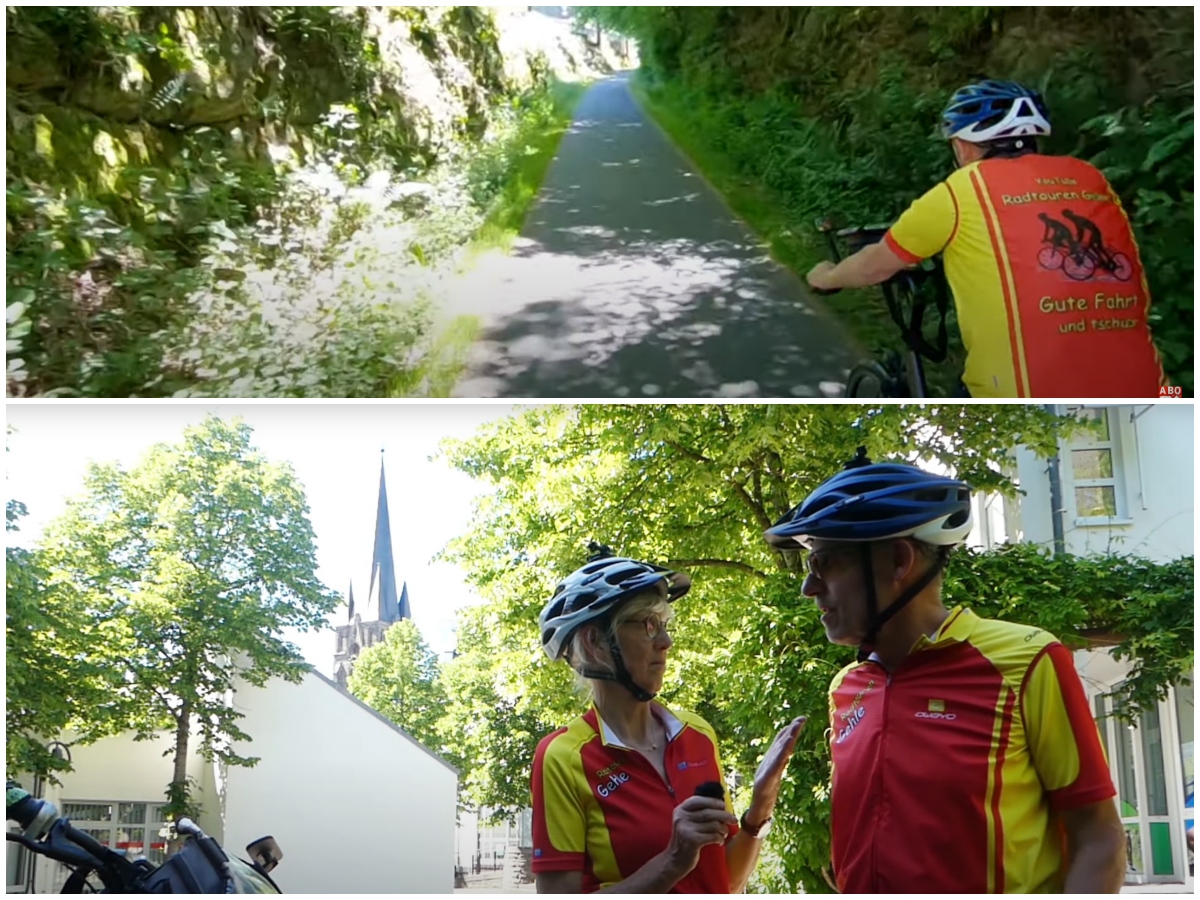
<point>19,805</point>
<point>86,841</point>
<point>33,815</point>
<point>821,292</point>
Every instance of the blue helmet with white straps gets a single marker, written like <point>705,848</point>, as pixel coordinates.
<point>995,110</point>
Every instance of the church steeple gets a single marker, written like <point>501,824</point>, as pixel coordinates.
<point>384,607</point>
<point>383,604</point>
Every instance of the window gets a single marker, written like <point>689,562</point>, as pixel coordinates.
<point>1094,463</point>
<point>140,829</point>
<point>17,865</point>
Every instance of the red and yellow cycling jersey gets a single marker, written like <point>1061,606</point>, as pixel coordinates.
<point>947,775</point>
<point>1052,299</point>
<point>602,809</point>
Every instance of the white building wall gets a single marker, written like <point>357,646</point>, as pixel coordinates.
<point>356,805</point>
<point>1155,468</point>
<point>1154,475</point>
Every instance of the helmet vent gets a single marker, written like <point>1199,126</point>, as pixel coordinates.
<point>932,495</point>
<point>958,519</point>
<point>580,601</point>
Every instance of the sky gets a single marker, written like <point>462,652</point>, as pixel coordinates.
<point>334,451</point>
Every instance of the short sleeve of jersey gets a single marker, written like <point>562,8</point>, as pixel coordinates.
<point>1063,737</point>
<point>926,227</point>
<point>559,820</point>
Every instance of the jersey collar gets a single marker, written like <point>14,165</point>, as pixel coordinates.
<point>955,630</point>
<point>609,738</point>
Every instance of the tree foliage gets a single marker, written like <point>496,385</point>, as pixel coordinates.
<point>247,200</point>
<point>694,487</point>
<point>399,679</point>
<point>189,566</point>
<point>53,681</point>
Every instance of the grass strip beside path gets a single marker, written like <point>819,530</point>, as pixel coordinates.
<point>540,138</point>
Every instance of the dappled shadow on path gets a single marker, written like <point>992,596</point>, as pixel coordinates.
<point>633,279</point>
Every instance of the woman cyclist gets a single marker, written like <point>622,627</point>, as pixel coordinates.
<point>630,796</point>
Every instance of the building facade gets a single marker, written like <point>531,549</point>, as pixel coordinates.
<point>1125,487</point>
<point>502,846</point>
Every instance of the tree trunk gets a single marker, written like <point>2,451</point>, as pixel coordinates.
<point>182,727</point>
<point>177,792</point>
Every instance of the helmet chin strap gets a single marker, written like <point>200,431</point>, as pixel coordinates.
<point>878,619</point>
<point>621,676</point>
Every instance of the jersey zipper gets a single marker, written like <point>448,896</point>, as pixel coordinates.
<point>667,769</point>
<point>883,793</point>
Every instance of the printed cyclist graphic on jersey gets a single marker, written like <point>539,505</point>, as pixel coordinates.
<point>1080,254</point>
<point>1070,277</point>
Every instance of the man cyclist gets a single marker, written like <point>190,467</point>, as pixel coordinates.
<point>1030,330</point>
<point>1086,232</point>
<point>965,756</point>
<point>1057,234</point>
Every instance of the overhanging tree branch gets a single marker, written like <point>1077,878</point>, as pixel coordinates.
<point>717,563</point>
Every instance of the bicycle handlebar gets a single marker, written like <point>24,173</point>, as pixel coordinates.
<point>54,837</point>
<point>909,281</point>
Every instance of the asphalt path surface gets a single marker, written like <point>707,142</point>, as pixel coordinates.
<point>632,278</point>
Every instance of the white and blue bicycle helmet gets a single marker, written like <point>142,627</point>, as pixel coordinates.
<point>995,110</point>
<point>593,592</point>
<point>868,502</point>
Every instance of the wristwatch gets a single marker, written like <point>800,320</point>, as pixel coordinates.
<point>757,833</point>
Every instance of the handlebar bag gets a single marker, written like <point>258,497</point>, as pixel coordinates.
<point>190,871</point>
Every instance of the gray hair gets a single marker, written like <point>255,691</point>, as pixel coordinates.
<point>652,601</point>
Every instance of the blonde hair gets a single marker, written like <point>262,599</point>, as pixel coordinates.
<point>652,601</point>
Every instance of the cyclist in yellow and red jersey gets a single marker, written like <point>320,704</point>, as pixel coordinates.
<point>965,756</point>
<point>631,796</point>
<point>1051,295</point>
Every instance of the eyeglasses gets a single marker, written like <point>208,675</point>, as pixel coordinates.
<point>817,561</point>
<point>654,624</point>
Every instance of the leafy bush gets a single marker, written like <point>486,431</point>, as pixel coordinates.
<point>1148,154</point>
<point>330,293</point>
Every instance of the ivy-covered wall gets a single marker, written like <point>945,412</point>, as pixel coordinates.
<point>94,90</point>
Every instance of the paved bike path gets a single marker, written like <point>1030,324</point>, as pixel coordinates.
<point>632,278</point>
